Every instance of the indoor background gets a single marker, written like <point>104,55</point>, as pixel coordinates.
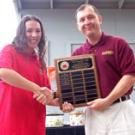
<point>58,17</point>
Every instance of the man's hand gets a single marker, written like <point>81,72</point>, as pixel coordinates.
<point>54,102</point>
<point>99,104</point>
<point>67,107</point>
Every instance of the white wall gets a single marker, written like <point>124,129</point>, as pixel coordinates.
<point>8,23</point>
<point>60,27</point>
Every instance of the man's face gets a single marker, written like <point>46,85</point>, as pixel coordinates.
<point>89,22</point>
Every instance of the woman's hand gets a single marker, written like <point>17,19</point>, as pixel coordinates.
<point>44,95</point>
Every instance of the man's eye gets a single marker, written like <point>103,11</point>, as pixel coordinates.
<point>82,20</point>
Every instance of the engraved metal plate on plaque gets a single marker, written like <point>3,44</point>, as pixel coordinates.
<point>77,80</point>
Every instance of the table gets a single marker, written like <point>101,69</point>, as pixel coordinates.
<point>65,130</point>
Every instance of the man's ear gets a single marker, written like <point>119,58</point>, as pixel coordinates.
<point>100,19</point>
<point>77,26</point>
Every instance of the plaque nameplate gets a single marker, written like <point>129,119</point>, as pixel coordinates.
<point>77,80</point>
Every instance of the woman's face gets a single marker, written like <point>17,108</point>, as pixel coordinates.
<point>33,33</point>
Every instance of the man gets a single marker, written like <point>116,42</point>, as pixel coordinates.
<point>114,112</point>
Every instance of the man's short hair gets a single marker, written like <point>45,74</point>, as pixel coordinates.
<point>83,6</point>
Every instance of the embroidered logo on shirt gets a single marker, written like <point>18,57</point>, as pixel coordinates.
<point>108,52</point>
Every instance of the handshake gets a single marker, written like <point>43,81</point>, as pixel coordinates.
<point>45,96</point>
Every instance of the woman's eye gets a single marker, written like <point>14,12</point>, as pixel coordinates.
<point>38,31</point>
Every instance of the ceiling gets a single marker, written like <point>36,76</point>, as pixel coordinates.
<point>73,4</point>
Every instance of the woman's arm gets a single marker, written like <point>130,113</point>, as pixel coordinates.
<point>13,78</point>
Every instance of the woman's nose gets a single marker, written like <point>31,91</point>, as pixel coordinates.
<point>34,34</point>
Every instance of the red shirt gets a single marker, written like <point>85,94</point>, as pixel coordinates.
<point>114,58</point>
<point>20,114</point>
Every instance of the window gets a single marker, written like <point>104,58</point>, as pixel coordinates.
<point>8,22</point>
<point>132,46</point>
<point>75,46</point>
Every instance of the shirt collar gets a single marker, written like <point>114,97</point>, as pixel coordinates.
<point>99,43</point>
<point>32,55</point>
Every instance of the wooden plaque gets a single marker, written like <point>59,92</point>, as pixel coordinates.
<point>77,81</point>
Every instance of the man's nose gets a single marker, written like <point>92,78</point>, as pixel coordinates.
<point>86,21</point>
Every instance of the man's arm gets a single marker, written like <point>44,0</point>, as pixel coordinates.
<point>122,87</point>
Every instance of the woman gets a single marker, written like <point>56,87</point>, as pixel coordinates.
<point>24,85</point>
